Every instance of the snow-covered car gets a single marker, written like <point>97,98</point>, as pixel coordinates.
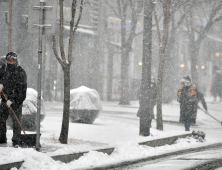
<point>85,105</point>
<point>29,111</point>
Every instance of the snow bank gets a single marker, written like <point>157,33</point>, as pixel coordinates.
<point>129,151</point>
<point>123,151</point>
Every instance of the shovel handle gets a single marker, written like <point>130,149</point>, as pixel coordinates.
<point>209,115</point>
<point>14,114</point>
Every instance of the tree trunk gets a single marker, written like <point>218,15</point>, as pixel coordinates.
<point>110,76</point>
<point>125,89</point>
<point>65,122</point>
<point>168,70</point>
<point>166,21</point>
<point>159,119</point>
<point>194,48</point>
<point>47,77</point>
<point>126,44</point>
<point>124,93</point>
<point>145,108</point>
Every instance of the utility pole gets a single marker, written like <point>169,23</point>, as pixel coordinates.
<point>41,27</point>
<point>145,97</point>
<point>39,8</point>
<point>39,73</point>
<point>10,27</point>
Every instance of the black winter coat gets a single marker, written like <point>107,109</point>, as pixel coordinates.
<point>189,103</point>
<point>14,83</point>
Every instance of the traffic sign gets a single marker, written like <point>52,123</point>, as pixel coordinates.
<point>50,13</point>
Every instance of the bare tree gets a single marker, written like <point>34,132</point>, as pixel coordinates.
<point>126,10</point>
<point>126,41</point>
<point>162,43</point>
<point>176,19</point>
<point>165,47</point>
<point>208,13</point>
<point>65,62</point>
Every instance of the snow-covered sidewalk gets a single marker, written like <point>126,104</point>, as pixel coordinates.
<point>117,126</point>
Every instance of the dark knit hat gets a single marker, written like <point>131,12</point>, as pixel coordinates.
<point>11,56</point>
<point>187,78</point>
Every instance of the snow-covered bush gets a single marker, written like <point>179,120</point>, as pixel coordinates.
<point>29,111</point>
<point>85,105</point>
<point>2,65</point>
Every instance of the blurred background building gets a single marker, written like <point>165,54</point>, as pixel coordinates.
<point>97,51</point>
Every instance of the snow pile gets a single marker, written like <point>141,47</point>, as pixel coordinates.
<point>30,103</point>
<point>128,151</point>
<point>188,139</point>
<point>35,160</point>
<point>84,98</point>
<point>123,151</point>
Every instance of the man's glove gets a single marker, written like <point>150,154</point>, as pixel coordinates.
<point>9,103</point>
<point>1,87</point>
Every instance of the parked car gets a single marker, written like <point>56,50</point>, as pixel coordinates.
<point>85,105</point>
<point>29,111</point>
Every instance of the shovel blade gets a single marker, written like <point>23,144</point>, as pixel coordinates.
<point>27,140</point>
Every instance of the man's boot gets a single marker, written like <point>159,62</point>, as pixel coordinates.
<point>15,143</point>
<point>3,140</point>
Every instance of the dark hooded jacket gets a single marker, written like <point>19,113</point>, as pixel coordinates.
<point>189,97</point>
<point>14,83</point>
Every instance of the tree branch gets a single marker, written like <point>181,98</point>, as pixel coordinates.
<point>134,21</point>
<point>158,29</point>
<point>119,8</point>
<point>80,15</point>
<point>71,31</point>
<point>61,44</point>
<point>55,52</point>
<point>113,9</point>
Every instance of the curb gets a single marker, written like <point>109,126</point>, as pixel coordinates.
<point>153,143</point>
<point>124,164</point>
<point>70,157</point>
<point>8,166</point>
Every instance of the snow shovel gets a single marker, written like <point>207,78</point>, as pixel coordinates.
<point>26,140</point>
<point>209,115</point>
